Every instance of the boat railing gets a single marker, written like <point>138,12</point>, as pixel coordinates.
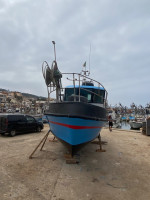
<point>77,79</point>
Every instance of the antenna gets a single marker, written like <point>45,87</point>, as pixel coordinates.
<point>89,59</point>
<point>54,49</point>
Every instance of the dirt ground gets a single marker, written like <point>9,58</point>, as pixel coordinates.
<point>120,173</point>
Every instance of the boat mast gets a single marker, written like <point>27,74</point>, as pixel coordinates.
<point>85,72</point>
<point>57,90</point>
<point>54,49</point>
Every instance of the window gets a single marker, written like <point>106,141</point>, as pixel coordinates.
<point>86,93</point>
<point>69,92</point>
<point>12,118</point>
<point>99,96</point>
<point>89,97</point>
<point>15,118</point>
<point>93,95</point>
<point>30,119</point>
<point>21,119</point>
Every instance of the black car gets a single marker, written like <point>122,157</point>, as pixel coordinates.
<point>12,124</point>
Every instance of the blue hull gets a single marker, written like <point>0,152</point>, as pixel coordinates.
<point>74,131</point>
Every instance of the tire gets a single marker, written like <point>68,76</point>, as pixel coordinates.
<point>12,133</point>
<point>38,129</point>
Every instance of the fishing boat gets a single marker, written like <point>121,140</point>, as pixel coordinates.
<point>135,124</point>
<point>78,114</point>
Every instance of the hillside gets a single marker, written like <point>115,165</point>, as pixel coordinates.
<point>33,96</point>
<point>27,95</point>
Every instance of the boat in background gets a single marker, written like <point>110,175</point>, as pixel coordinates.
<point>123,118</point>
<point>79,112</point>
<point>135,124</point>
<point>138,122</point>
<point>44,119</point>
<point>131,118</point>
<point>38,117</point>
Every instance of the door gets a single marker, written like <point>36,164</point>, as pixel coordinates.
<point>3,123</point>
<point>31,123</point>
<point>21,123</point>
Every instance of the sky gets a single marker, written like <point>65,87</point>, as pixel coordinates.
<point>118,32</point>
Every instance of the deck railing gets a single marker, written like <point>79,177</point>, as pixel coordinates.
<point>77,79</point>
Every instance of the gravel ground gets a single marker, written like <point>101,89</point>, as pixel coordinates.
<point>120,173</point>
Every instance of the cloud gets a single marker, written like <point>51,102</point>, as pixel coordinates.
<point>118,32</point>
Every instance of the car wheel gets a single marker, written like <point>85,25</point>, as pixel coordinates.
<point>38,129</point>
<point>12,133</point>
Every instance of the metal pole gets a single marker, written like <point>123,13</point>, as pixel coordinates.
<point>54,49</point>
<point>79,87</point>
<point>48,94</point>
<point>74,86</point>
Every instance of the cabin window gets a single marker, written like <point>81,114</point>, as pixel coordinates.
<point>89,97</point>
<point>86,93</point>
<point>69,92</point>
<point>93,95</point>
<point>99,95</point>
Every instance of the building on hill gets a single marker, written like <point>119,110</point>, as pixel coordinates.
<point>3,98</point>
<point>17,102</point>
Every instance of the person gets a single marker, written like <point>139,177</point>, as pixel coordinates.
<point>110,122</point>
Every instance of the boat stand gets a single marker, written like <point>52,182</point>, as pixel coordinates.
<point>100,142</point>
<point>53,140</point>
<point>71,159</point>
<point>41,142</point>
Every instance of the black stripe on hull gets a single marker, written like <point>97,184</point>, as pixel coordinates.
<point>77,110</point>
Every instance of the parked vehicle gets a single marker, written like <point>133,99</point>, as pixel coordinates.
<point>12,124</point>
<point>44,119</point>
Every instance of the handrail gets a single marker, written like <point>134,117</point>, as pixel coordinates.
<point>79,81</point>
<point>87,78</point>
